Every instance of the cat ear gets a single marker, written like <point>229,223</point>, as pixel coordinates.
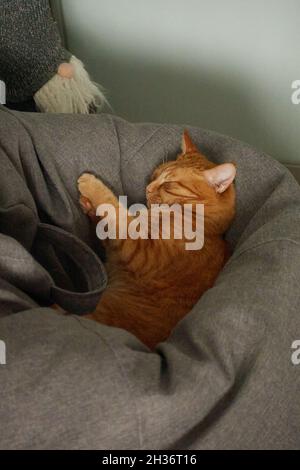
<point>221,176</point>
<point>187,144</point>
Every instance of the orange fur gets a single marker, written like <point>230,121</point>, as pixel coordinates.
<point>152,284</point>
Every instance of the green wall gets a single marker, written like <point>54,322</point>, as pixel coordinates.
<point>227,66</point>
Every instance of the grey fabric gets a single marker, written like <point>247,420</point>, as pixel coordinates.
<point>224,380</point>
<point>42,257</point>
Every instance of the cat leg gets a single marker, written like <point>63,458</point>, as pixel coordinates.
<point>95,192</point>
<point>138,255</point>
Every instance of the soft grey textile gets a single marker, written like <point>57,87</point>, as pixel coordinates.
<point>223,380</point>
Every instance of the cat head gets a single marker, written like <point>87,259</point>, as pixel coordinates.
<point>193,179</point>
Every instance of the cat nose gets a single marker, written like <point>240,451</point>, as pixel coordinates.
<point>150,188</point>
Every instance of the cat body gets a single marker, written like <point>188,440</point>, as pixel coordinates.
<point>154,283</point>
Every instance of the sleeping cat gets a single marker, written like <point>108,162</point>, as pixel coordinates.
<point>152,284</point>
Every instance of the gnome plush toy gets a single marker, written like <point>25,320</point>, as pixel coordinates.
<point>36,68</point>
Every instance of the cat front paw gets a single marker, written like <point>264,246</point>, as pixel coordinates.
<point>90,189</point>
<point>94,193</point>
<point>86,184</point>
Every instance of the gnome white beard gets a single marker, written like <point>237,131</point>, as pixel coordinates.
<point>70,95</point>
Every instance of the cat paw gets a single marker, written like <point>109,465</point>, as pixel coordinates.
<point>86,184</point>
<point>89,187</point>
<point>93,192</point>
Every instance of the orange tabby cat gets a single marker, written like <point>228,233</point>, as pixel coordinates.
<point>152,284</point>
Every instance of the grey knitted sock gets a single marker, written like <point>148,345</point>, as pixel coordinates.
<point>30,47</point>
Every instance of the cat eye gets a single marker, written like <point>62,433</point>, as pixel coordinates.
<point>169,184</point>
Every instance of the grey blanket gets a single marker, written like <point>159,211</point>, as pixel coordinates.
<point>225,379</point>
